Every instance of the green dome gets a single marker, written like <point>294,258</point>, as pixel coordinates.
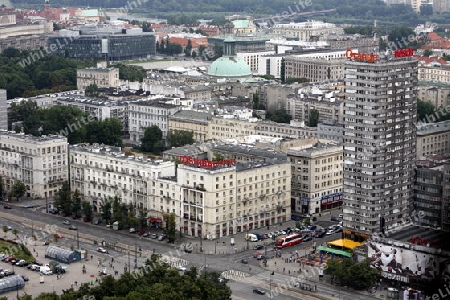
<point>229,66</point>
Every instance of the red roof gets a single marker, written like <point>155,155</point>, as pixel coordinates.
<point>432,59</point>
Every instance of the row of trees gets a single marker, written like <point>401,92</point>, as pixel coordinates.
<point>76,125</point>
<point>17,190</point>
<point>156,278</point>
<point>72,203</point>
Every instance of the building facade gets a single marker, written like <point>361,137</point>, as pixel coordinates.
<point>379,143</point>
<point>307,31</point>
<point>102,77</point>
<point>438,96</point>
<point>329,109</point>
<point>39,162</point>
<point>232,198</point>
<point>314,69</point>
<point>103,172</point>
<point>433,138</point>
<point>3,110</point>
<point>317,173</point>
<point>143,114</point>
<point>434,74</point>
<point>330,131</point>
<point>189,120</point>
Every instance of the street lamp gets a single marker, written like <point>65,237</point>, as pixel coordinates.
<point>215,247</point>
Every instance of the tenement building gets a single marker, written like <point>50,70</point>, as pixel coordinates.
<point>308,31</point>
<point>101,172</point>
<point>317,172</point>
<point>39,162</point>
<point>102,77</point>
<point>433,138</point>
<point>379,143</point>
<point>223,198</point>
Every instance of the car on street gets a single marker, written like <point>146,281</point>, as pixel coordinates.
<point>335,219</point>
<point>259,291</point>
<point>313,227</point>
<point>146,234</point>
<point>7,206</point>
<point>258,247</point>
<point>320,234</point>
<point>97,222</point>
<point>8,272</point>
<point>21,263</point>
<point>8,227</point>
<point>244,261</point>
<point>10,259</point>
<point>260,257</point>
<point>102,250</point>
<point>72,227</point>
<point>256,254</point>
<point>132,230</point>
<point>154,236</point>
<point>181,268</point>
<point>66,222</point>
<point>162,237</point>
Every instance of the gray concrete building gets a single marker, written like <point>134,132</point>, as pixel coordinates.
<point>329,130</point>
<point>379,144</point>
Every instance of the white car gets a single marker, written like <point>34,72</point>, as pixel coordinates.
<point>132,230</point>
<point>102,250</point>
<point>181,268</point>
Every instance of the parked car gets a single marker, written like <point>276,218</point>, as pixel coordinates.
<point>9,259</point>
<point>9,227</point>
<point>259,291</point>
<point>154,236</point>
<point>102,250</point>
<point>313,227</point>
<point>72,227</point>
<point>7,207</point>
<point>132,230</point>
<point>66,222</point>
<point>146,234</point>
<point>35,267</point>
<point>258,247</point>
<point>97,222</point>
<point>161,237</point>
<point>320,234</point>
<point>21,263</point>
<point>256,254</point>
<point>244,261</point>
<point>260,257</point>
<point>8,272</point>
<point>335,219</point>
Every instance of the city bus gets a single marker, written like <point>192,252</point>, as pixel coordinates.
<point>290,240</point>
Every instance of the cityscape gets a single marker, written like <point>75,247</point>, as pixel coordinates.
<point>282,150</point>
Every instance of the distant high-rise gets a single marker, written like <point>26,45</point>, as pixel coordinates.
<point>3,110</point>
<point>379,142</point>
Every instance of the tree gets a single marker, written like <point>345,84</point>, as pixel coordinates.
<point>307,222</point>
<point>427,52</point>
<point>218,51</point>
<point>91,90</point>
<point>21,111</point>
<point>313,118</point>
<point>152,140</point>
<point>188,48</point>
<point>348,272</point>
<point>18,189</point>
<point>15,232</point>
<point>76,203</point>
<point>170,228</point>
<point>105,210</point>
<point>279,116</point>
<point>63,199</point>
<point>87,210</point>
<point>179,138</point>
<point>425,109</point>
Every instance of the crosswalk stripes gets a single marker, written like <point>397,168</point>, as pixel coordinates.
<point>174,261</point>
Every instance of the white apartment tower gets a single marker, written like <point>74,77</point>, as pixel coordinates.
<point>3,111</point>
<point>379,143</point>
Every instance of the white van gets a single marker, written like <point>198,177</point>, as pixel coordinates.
<point>45,270</point>
<point>251,237</point>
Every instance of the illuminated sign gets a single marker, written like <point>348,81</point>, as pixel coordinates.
<point>187,160</point>
<point>367,57</point>
<point>404,52</point>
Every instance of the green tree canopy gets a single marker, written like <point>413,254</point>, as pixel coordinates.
<point>91,90</point>
<point>18,189</point>
<point>152,141</point>
<point>179,138</point>
<point>424,109</point>
<point>351,273</point>
<point>279,116</point>
<point>313,118</point>
<point>63,199</point>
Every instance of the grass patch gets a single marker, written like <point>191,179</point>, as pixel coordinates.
<point>19,251</point>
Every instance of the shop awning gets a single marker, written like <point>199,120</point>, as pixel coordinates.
<point>335,251</point>
<point>344,243</point>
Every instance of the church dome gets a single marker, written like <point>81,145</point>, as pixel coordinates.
<point>229,65</point>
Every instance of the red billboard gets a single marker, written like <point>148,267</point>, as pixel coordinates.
<point>187,160</point>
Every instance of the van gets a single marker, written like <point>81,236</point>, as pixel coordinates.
<point>251,237</point>
<point>45,270</point>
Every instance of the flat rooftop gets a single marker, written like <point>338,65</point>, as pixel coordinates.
<point>423,236</point>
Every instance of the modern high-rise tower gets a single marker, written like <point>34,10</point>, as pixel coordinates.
<point>379,142</point>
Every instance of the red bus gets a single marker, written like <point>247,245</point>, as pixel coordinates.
<point>290,240</point>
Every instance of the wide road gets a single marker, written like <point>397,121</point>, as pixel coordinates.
<point>256,276</point>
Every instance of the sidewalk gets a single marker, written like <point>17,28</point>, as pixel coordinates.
<point>309,273</point>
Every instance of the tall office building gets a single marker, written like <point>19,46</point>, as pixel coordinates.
<point>3,110</point>
<point>379,143</point>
